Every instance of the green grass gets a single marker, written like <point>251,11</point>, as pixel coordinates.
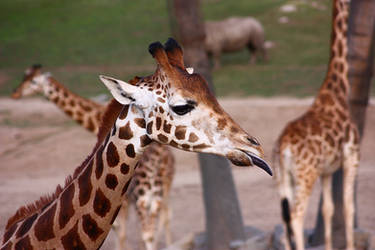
<point>77,40</point>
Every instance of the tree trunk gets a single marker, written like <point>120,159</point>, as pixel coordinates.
<point>361,41</point>
<point>223,215</point>
<point>224,222</point>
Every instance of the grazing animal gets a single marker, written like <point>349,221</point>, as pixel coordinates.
<point>318,143</point>
<point>155,171</point>
<point>233,34</point>
<point>171,107</point>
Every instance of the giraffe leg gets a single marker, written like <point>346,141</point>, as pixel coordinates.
<point>286,240</point>
<point>328,208</point>
<point>351,162</point>
<point>165,216</point>
<point>297,226</point>
<point>148,216</point>
<point>302,194</point>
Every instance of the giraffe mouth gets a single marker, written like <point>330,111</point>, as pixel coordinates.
<point>259,162</point>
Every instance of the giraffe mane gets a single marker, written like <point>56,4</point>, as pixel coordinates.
<point>110,115</point>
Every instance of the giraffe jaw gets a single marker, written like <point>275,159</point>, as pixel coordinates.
<point>259,162</point>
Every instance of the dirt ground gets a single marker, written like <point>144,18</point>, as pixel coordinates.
<point>40,146</point>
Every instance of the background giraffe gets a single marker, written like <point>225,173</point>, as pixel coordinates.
<point>79,215</point>
<point>153,176</point>
<point>318,143</point>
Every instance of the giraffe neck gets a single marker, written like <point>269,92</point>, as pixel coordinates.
<point>335,89</point>
<point>84,111</point>
<point>82,213</point>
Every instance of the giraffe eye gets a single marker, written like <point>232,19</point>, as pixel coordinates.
<point>182,109</point>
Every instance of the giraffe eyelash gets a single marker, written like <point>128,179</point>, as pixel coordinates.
<point>183,109</point>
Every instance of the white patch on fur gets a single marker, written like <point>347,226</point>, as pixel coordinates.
<point>284,178</point>
<point>43,78</point>
<point>190,70</point>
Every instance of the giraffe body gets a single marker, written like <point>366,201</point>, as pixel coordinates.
<point>171,107</point>
<point>155,171</point>
<point>318,143</point>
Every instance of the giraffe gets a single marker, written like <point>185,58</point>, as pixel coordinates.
<point>318,143</point>
<point>172,107</point>
<point>84,111</point>
<point>155,171</point>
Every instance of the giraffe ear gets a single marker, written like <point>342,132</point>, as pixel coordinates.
<point>122,91</point>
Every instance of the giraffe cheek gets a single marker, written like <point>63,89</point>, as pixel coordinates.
<point>239,159</point>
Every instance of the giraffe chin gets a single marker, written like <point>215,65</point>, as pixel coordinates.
<point>243,159</point>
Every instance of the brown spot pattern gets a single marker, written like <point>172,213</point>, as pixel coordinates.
<point>200,146</point>
<point>180,132</point>
<point>162,138</point>
<point>85,107</point>
<point>68,112</point>
<point>113,157</point>
<point>66,205</point>
<point>234,129</point>
<point>221,123</point>
<point>55,99</point>
<point>124,112</point>
<point>130,150</point>
<point>140,122</point>
<point>111,181</point>
<point>8,233</point>
<point>90,125</point>
<point>167,127</point>
<point>193,137</point>
<point>44,225</point>
<point>149,127</point>
<point>8,246</point>
<point>26,225</point>
<point>124,168</point>
<point>90,227</point>
<point>71,239</point>
<point>185,146</point>
<point>101,203</point>
<point>158,123</point>
<point>141,192</point>
<point>330,140</point>
<point>125,132</point>
<point>23,244</point>
<point>84,184</point>
<point>173,144</point>
<point>99,163</point>
<point>145,140</point>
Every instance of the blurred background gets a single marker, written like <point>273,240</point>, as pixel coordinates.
<point>78,40</point>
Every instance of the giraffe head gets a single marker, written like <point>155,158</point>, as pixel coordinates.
<point>180,110</point>
<point>33,82</point>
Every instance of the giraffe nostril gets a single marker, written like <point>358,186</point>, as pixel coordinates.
<point>253,141</point>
